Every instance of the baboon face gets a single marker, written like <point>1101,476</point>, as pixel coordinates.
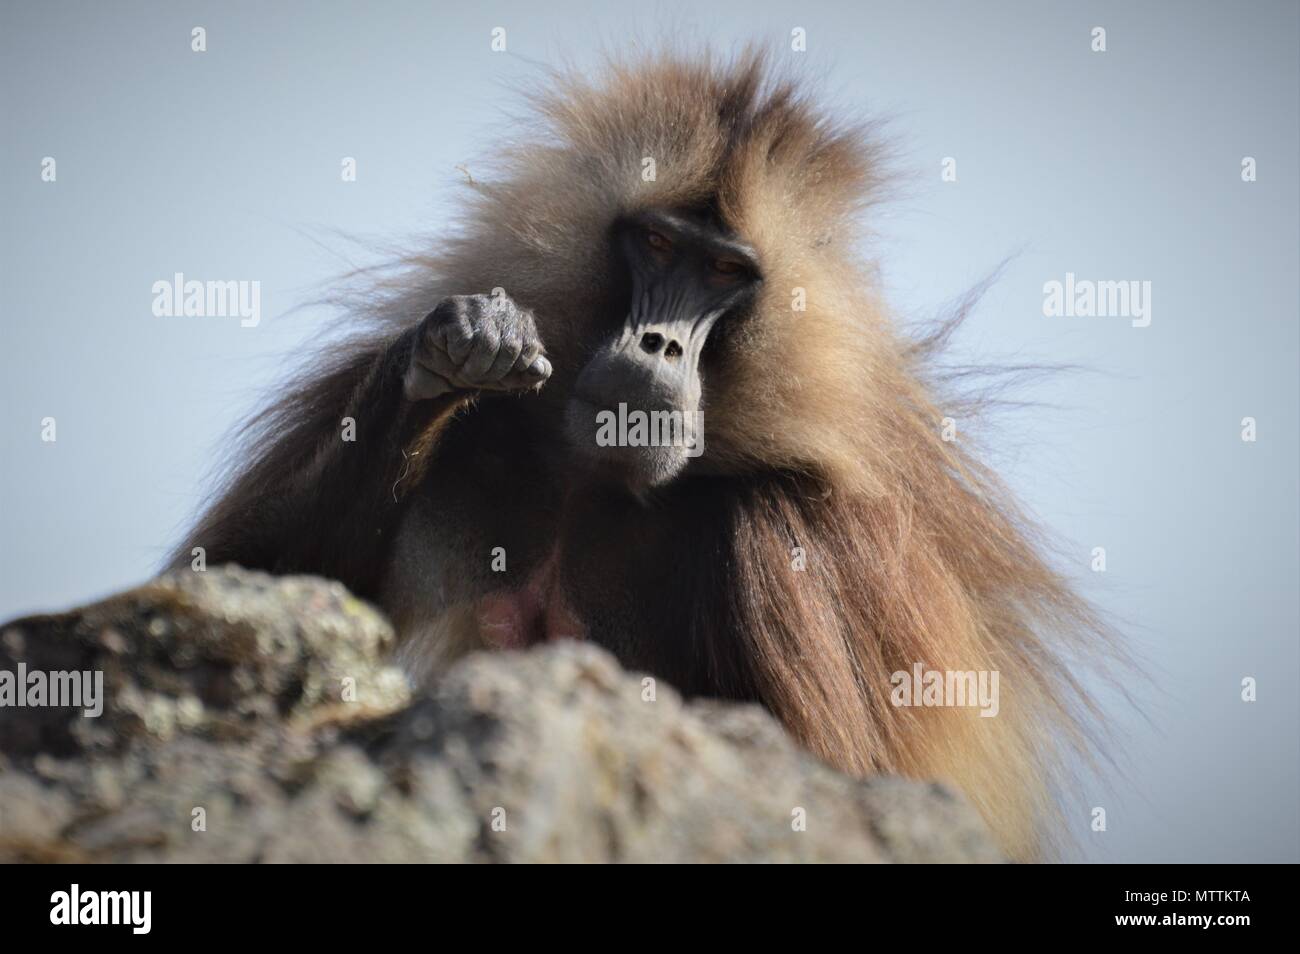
<point>634,416</point>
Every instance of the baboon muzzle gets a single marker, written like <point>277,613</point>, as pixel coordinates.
<point>635,408</point>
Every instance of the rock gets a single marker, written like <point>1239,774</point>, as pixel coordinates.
<point>251,718</point>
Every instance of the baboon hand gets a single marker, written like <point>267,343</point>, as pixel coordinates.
<point>475,341</point>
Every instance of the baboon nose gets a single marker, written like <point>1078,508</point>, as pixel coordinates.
<point>652,342</point>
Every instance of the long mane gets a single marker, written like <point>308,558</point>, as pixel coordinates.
<point>914,552</point>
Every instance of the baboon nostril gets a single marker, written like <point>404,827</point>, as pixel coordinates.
<point>674,350</point>
<point>651,342</point>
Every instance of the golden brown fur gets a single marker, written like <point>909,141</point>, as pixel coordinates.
<point>830,417</point>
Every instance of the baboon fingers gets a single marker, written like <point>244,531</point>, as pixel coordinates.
<point>471,341</point>
<point>421,384</point>
<point>507,354</point>
<point>530,375</point>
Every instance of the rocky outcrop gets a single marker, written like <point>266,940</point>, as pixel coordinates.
<point>250,718</point>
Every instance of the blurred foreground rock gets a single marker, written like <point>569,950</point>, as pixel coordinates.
<point>248,718</point>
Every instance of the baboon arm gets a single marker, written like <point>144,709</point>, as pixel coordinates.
<point>315,502</point>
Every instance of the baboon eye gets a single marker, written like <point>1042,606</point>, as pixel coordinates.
<point>657,241</point>
<point>727,266</point>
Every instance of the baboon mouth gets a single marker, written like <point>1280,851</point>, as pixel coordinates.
<point>636,460</point>
<point>534,613</point>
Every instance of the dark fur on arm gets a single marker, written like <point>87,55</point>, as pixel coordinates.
<point>312,502</point>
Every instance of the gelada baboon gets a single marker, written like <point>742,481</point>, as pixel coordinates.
<point>677,236</point>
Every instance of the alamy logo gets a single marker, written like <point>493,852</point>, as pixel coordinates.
<point>1084,298</point>
<point>946,687</point>
<point>195,299</point>
<point>36,688</point>
<point>638,428</point>
<point>103,907</point>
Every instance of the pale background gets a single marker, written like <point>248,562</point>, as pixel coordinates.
<point>1123,165</point>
